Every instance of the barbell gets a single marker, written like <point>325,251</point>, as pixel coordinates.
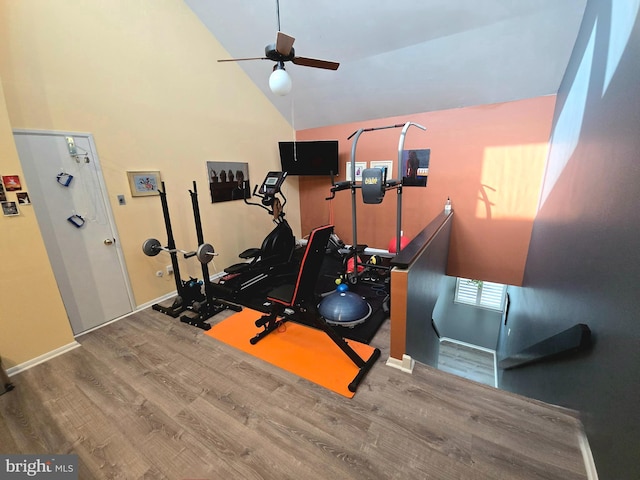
<point>205,252</point>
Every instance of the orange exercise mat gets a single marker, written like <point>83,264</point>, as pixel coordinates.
<point>302,350</point>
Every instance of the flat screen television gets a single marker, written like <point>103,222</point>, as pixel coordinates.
<point>314,157</point>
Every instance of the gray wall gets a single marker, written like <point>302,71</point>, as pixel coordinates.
<point>425,279</point>
<point>477,326</point>
<point>583,264</point>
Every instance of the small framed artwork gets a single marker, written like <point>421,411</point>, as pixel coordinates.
<point>360,166</point>
<point>415,167</point>
<point>10,209</point>
<point>143,184</point>
<point>388,164</point>
<point>11,183</point>
<point>23,198</point>
<point>3,196</point>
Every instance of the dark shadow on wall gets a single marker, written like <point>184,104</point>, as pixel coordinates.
<point>582,265</point>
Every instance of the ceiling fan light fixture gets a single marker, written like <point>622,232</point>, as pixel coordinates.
<point>280,81</point>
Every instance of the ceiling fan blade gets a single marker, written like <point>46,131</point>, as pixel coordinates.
<point>241,59</point>
<point>314,62</point>
<point>284,43</point>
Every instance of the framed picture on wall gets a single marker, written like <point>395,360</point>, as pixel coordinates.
<point>415,167</point>
<point>388,164</point>
<point>228,181</point>
<point>9,209</point>
<point>360,166</point>
<point>144,183</point>
<point>11,183</point>
<point>23,198</point>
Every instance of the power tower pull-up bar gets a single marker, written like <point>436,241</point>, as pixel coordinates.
<point>397,183</point>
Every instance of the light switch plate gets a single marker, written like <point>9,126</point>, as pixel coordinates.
<point>121,200</point>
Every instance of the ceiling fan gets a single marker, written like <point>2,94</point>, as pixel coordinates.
<point>280,52</point>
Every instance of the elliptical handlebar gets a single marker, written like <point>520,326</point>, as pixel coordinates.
<point>245,184</point>
<point>267,192</point>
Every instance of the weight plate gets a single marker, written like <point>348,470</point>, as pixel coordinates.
<point>205,253</point>
<point>151,247</point>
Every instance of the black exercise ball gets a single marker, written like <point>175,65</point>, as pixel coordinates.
<point>344,308</point>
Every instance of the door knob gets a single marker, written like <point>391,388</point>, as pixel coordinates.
<point>108,241</point>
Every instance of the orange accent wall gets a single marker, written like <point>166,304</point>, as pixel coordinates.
<point>488,159</point>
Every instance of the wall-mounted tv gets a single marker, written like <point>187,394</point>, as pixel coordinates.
<point>315,157</point>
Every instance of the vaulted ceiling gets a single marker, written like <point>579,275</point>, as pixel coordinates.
<point>399,57</point>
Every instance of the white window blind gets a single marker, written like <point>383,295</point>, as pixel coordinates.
<point>480,293</point>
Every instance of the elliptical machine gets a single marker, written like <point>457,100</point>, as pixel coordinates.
<point>277,248</point>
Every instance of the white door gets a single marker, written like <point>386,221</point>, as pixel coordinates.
<point>71,205</point>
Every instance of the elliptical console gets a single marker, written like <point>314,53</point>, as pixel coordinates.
<point>272,183</point>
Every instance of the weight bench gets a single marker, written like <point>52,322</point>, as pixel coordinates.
<point>298,300</point>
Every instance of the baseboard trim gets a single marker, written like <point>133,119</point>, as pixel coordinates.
<point>66,348</point>
<point>465,344</point>
<point>42,358</point>
<point>587,456</point>
<point>406,364</point>
<point>212,278</point>
<point>146,305</point>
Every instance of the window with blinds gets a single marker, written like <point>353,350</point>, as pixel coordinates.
<point>480,294</point>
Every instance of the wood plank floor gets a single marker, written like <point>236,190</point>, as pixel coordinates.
<point>150,397</point>
<point>464,360</point>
